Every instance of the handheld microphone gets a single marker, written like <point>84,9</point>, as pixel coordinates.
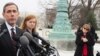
<point>30,37</point>
<point>43,40</point>
<point>25,42</point>
<point>4,31</point>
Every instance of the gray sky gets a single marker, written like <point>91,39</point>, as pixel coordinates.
<point>24,6</point>
<point>35,6</point>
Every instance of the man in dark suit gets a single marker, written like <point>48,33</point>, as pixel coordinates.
<point>8,40</point>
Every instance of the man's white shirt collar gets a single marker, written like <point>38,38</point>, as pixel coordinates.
<point>9,27</point>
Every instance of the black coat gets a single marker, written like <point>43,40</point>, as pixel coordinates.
<point>34,46</point>
<point>95,36</point>
<point>94,33</point>
<point>79,44</point>
<point>6,46</point>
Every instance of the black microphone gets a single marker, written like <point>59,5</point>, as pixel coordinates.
<point>44,41</point>
<point>25,42</point>
<point>4,31</point>
<point>30,37</point>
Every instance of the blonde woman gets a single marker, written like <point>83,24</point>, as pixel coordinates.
<point>84,42</point>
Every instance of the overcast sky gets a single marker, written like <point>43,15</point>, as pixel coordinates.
<point>28,5</point>
<point>24,5</point>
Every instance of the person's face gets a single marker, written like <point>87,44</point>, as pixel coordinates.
<point>31,24</point>
<point>85,30</point>
<point>11,14</point>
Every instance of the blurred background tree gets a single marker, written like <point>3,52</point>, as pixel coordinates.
<point>91,19</point>
<point>83,11</point>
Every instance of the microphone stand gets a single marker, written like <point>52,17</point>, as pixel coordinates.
<point>29,49</point>
<point>18,51</point>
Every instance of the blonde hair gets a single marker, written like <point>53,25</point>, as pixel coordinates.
<point>29,17</point>
<point>86,26</point>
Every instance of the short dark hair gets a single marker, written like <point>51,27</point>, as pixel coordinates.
<point>8,4</point>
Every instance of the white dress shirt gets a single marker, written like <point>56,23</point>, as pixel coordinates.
<point>9,27</point>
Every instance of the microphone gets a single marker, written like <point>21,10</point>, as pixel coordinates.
<point>30,37</point>
<point>44,41</point>
<point>4,31</point>
<point>25,42</point>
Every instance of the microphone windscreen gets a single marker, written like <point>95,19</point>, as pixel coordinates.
<point>36,34</point>
<point>24,40</point>
<point>5,30</point>
<point>28,35</point>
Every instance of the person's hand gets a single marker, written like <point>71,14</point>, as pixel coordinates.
<point>84,39</point>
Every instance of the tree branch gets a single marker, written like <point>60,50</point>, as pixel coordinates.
<point>75,7</point>
<point>94,7</point>
<point>69,6</point>
<point>83,3</point>
<point>89,4</point>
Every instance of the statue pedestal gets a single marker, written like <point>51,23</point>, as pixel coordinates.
<point>64,45</point>
<point>61,35</point>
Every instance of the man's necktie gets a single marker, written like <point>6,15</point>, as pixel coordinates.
<point>13,39</point>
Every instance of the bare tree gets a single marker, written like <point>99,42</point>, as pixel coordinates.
<point>50,12</point>
<point>73,12</point>
<point>72,8</point>
<point>81,9</point>
<point>87,7</point>
<point>90,4</point>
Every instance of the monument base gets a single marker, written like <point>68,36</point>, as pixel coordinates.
<point>63,41</point>
<point>63,45</point>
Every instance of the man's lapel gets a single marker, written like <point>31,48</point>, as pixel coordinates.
<point>18,32</point>
<point>6,36</point>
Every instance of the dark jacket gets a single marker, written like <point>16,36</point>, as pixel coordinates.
<point>33,46</point>
<point>35,49</point>
<point>79,44</point>
<point>6,46</point>
<point>95,36</point>
<point>94,33</point>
